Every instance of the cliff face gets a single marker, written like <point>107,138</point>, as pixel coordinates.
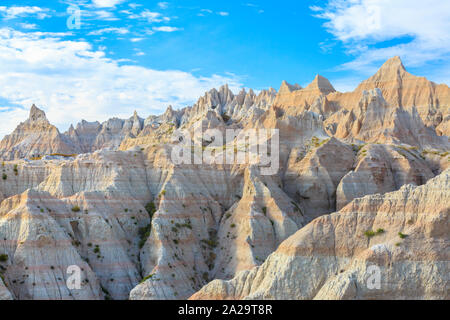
<point>108,197</point>
<point>403,234</point>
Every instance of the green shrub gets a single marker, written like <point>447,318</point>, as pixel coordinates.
<point>4,176</point>
<point>369,234</point>
<point>3,257</point>
<point>264,210</point>
<point>402,236</point>
<point>210,242</point>
<point>380,231</point>
<point>151,209</point>
<point>76,209</point>
<point>147,277</point>
<point>144,234</point>
<point>233,225</point>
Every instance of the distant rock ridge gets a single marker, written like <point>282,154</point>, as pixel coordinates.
<point>34,138</point>
<point>288,88</point>
<point>341,112</point>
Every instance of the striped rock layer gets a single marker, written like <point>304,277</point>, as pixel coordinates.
<point>109,199</point>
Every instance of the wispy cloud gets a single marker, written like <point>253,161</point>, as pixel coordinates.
<point>148,15</point>
<point>25,11</point>
<point>71,80</point>
<point>29,26</point>
<point>419,34</point>
<point>104,15</point>
<point>106,3</point>
<point>204,12</point>
<point>109,30</point>
<point>166,29</point>
<point>139,53</point>
<point>163,5</point>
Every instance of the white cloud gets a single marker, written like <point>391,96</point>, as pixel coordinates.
<point>99,15</point>
<point>29,26</point>
<point>422,27</point>
<point>150,16</point>
<point>166,29</point>
<point>106,3</point>
<point>16,12</point>
<point>135,5</point>
<point>108,30</point>
<point>72,81</point>
<point>139,53</point>
<point>223,13</point>
<point>163,5</point>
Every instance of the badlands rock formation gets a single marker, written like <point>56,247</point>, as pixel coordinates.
<point>403,234</point>
<point>354,170</point>
<point>34,138</point>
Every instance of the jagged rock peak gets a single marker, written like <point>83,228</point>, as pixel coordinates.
<point>288,88</point>
<point>392,70</point>
<point>393,63</point>
<point>36,114</point>
<point>321,84</point>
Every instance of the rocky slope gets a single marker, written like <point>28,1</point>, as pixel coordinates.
<point>404,234</point>
<point>109,198</point>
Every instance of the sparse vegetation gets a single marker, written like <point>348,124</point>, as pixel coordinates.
<point>144,234</point>
<point>358,148</point>
<point>402,236</point>
<point>369,234</point>
<point>151,209</point>
<point>150,276</point>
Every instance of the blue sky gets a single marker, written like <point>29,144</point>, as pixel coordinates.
<point>145,55</point>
